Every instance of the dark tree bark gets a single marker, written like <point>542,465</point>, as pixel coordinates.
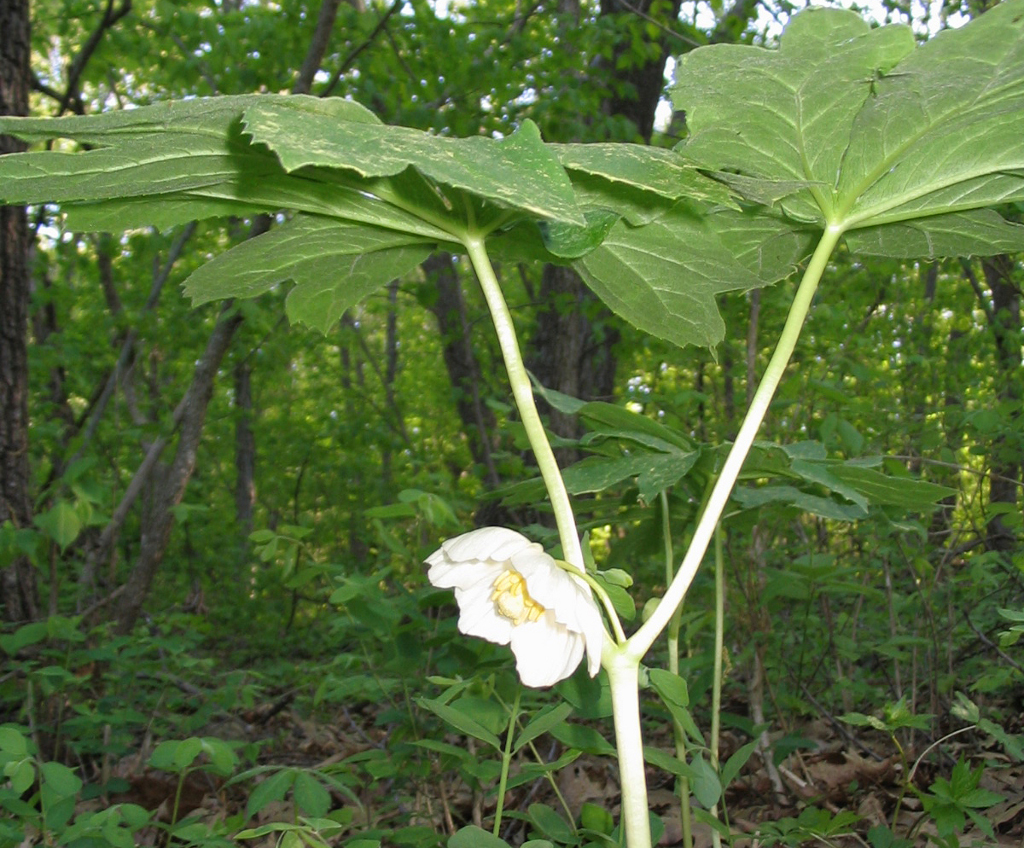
<point>460,360</point>
<point>20,594</point>
<point>639,87</point>
<point>572,348</point>
<point>317,46</point>
<point>170,487</point>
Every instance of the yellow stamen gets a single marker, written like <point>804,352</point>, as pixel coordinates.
<point>513,601</point>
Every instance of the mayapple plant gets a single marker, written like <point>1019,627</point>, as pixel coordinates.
<point>843,135</point>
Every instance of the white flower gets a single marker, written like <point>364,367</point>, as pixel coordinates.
<point>510,591</point>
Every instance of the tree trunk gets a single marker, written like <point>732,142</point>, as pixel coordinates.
<point>572,348</point>
<point>20,593</point>
<point>159,518</point>
<point>460,360</point>
<point>638,87</point>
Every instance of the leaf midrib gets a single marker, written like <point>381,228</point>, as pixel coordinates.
<point>885,164</point>
<point>876,217</point>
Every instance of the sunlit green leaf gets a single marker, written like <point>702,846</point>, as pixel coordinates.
<point>855,127</point>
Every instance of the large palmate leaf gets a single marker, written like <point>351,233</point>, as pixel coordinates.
<point>857,129</point>
<point>170,163</point>
<point>373,200</point>
<point>162,149</point>
<point>844,126</point>
<point>623,178</point>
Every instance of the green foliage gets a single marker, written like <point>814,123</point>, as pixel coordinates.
<point>951,802</point>
<point>40,797</point>
<point>1013,633</point>
<point>254,154</point>
<point>894,717</point>
<point>812,826</point>
<point>782,144</point>
<point>800,128</point>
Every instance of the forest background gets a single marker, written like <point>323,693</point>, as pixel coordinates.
<point>213,523</point>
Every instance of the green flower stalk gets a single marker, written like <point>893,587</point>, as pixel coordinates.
<point>508,592</point>
<point>523,394</point>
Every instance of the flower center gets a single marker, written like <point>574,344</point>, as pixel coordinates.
<point>513,601</point>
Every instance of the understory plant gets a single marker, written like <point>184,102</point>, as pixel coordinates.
<point>846,137</point>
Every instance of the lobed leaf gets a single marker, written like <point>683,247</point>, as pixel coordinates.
<point>855,128</point>
<point>644,168</point>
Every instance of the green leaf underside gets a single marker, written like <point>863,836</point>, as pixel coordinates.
<point>861,486</point>
<point>334,266</point>
<point>959,234</point>
<point>164,212</point>
<point>655,472</point>
<point>174,162</point>
<point>149,165</point>
<point>843,125</point>
<point>611,419</point>
<point>885,489</point>
<point>664,277</point>
<point>517,172</point>
<point>156,149</point>
<point>571,242</point>
<point>804,501</point>
<point>858,128</point>
<point>204,115</point>
<point>637,166</point>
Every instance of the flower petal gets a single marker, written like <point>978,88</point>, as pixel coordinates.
<point>572,604</point>
<point>545,652</point>
<point>545,581</point>
<point>479,617</point>
<point>485,624</point>
<point>463,575</point>
<point>497,544</point>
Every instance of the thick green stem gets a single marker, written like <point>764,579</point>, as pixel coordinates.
<point>641,641</point>
<point>523,394</point>
<point>624,677</point>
